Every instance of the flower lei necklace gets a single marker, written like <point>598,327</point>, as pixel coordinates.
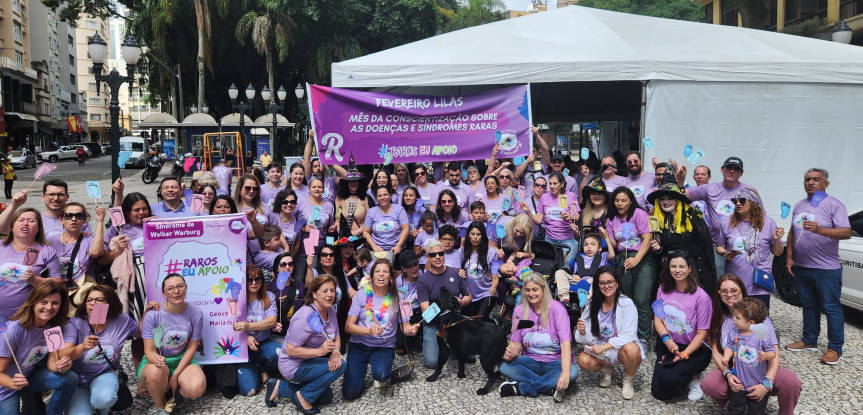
<point>379,316</point>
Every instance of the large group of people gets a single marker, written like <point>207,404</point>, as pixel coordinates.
<point>676,265</point>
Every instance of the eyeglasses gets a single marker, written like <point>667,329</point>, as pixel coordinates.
<point>250,188</point>
<point>208,194</point>
<point>447,239</point>
<point>733,168</point>
<point>732,292</point>
<point>255,280</point>
<point>504,176</point>
<point>286,264</point>
<point>739,200</point>
<point>97,300</point>
<point>420,173</point>
<point>79,216</point>
<point>56,195</point>
<point>289,202</point>
<point>606,283</point>
<point>435,254</point>
<point>180,287</point>
<point>447,202</point>
<point>328,254</point>
<point>539,185</point>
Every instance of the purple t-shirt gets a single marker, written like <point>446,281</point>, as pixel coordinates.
<point>13,290</point>
<point>29,349</point>
<point>813,250</point>
<point>179,328</point>
<point>305,212</point>
<point>607,325</point>
<point>162,210</point>
<point>750,370</point>
<point>91,363</point>
<point>555,226</point>
<point>428,194</point>
<point>265,259</point>
<point>52,226</point>
<point>640,186</point>
<point>453,258</point>
<point>479,274</point>
<point>223,176</point>
<point>256,313</point>
<point>631,241</point>
<point>463,194</point>
<point>302,192</point>
<point>539,343</point>
<point>498,207</point>
<point>685,313</point>
<point>82,262</point>
<point>266,218</point>
<point>408,291</point>
<point>420,240</point>
<point>330,190</point>
<point>388,320</point>
<point>289,228</point>
<point>614,182</point>
<point>268,194</point>
<point>135,234</point>
<point>429,284</point>
<point>386,227</point>
<point>718,201</point>
<point>745,264</point>
<point>301,334</point>
<point>531,173</point>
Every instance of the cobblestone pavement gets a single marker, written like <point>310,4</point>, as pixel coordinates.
<point>826,389</point>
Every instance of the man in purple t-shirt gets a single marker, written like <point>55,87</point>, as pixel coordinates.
<point>608,170</point>
<point>638,181</point>
<point>224,176</point>
<point>812,258</point>
<point>55,194</point>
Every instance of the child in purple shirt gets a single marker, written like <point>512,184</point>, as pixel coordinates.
<point>751,344</point>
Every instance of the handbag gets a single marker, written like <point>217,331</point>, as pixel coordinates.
<point>77,288</point>
<point>763,280</point>
<point>124,395</point>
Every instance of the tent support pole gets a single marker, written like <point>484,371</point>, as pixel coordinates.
<point>643,110</point>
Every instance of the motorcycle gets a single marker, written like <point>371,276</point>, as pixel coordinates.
<point>177,168</point>
<point>154,166</point>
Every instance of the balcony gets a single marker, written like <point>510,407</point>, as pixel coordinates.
<point>8,63</point>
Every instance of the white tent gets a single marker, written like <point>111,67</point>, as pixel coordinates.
<point>782,103</point>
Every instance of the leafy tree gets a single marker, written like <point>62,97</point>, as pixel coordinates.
<point>669,9</point>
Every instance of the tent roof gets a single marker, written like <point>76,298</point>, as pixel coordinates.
<point>159,120</point>
<point>199,120</point>
<point>577,44</point>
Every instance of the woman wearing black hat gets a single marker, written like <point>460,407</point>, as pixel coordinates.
<point>352,203</point>
<point>595,210</point>
<point>682,229</point>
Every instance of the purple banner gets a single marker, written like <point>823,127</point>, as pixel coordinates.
<point>381,128</point>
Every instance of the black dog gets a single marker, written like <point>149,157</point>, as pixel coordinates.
<point>464,337</point>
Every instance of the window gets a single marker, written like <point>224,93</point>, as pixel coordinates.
<point>16,31</point>
<point>71,60</point>
<point>70,40</point>
<point>74,98</point>
<point>95,117</point>
<point>19,58</point>
<point>797,11</point>
<point>90,24</point>
<point>47,108</point>
<point>71,79</point>
<point>91,86</point>
<point>93,101</point>
<point>708,13</point>
<point>16,6</point>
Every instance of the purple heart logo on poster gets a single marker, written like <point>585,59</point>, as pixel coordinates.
<point>400,128</point>
<point>211,257</point>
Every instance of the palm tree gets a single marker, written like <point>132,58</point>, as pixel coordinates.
<point>202,20</point>
<point>271,32</point>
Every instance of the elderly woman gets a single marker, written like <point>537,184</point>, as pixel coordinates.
<point>746,239</point>
<point>681,228</point>
<point>611,339</point>
<point>539,359</point>
<point>681,319</point>
<point>46,306</point>
<point>310,354</point>
<point>720,381</point>
<point>25,254</point>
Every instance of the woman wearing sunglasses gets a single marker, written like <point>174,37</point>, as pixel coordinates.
<point>285,205</point>
<point>427,191</point>
<point>746,239</point>
<point>328,265</point>
<point>288,299</point>
<point>260,320</point>
<point>86,248</point>
<point>446,210</point>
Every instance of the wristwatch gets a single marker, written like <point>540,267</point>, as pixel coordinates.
<point>726,372</point>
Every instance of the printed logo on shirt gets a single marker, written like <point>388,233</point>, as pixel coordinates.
<point>675,320</point>
<point>94,358</point>
<point>606,331</point>
<point>540,343</point>
<point>36,355</point>
<point>77,270</point>
<point>174,342</point>
<point>738,244</point>
<point>699,205</point>
<point>384,227</point>
<point>554,212</point>
<point>637,189</point>
<point>724,208</point>
<point>10,273</point>
<point>747,355</point>
<point>800,218</point>
<point>476,271</point>
<point>626,243</point>
<point>137,245</point>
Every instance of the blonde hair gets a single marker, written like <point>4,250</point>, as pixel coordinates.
<point>545,305</point>
<point>523,223</point>
<point>208,178</point>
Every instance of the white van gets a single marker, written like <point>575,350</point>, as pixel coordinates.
<point>138,147</point>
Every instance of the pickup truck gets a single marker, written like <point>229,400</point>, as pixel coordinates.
<point>851,257</point>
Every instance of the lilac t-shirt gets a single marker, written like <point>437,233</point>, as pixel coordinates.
<point>265,259</point>
<point>301,334</point>
<point>640,186</point>
<point>420,240</point>
<point>179,328</point>
<point>408,291</point>
<point>464,196</point>
<point>745,264</point>
<point>453,258</point>
<point>632,241</point>
<point>750,370</point>
<point>614,182</point>
<point>813,250</point>
<point>91,363</point>
<point>498,207</point>
<point>135,234</point>
<point>388,320</point>
<point>52,226</point>
<point>607,325</point>
<point>29,349</point>
<point>718,200</point>
<point>268,194</point>
<point>223,176</point>
<point>556,227</point>
<point>162,210</point>
<point>386,227</point>
<point>539,343</point>
<point>256,313</point>
<point>330,190</point>
<point>428,194</point>
<point>289,228</point>
<point>305,210</point>
<point>479,274</point>
<point>685,313</point>
<point>82,262</point>
<point>13,290</point>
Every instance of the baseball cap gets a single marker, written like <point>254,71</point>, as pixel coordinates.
<point>733,161</point>
<point>557,157</point>
<point>408,258</point>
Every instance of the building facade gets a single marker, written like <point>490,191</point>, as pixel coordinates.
<point>98,121</point>
<point>17,88</point>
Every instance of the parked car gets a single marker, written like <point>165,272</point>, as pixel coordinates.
<point>136,145</point>
<point>106,148</point>
<point>851,257</point>
<point>62,153</point>
<point>95,148</point>
<point>21,159</point>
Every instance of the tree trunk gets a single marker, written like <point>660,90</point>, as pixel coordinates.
<point>200,70</point>
<point>753,14</point>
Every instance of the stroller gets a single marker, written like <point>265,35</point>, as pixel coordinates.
<point>548,258</point>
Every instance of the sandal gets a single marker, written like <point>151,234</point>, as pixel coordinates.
<point>143,394</point>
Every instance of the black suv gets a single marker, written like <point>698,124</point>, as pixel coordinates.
<point>95,148</point>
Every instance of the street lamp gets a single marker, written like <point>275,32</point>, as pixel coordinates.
<point>274,108</point>
<point>98,50</point>
<point>842,33</point>
<point>299,91</point>
<point>241,106</point>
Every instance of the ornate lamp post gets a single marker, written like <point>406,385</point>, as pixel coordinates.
<point>274,108</point>
<point>241,106</point>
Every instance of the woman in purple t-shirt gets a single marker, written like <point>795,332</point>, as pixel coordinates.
<point>24,255</point>
<point>475,268</point>
<point>446,210</point>
<point>555,212</point>
<point>681,317</point>
<point>260,319</point>
<point>90,247</point>
<point>285,205</point>
<point>46,306</point>
<point>720,382</point>
<point>312,336</point>
<point>539,359</point>
<point>372,323</point>
<point>95,350</point>
<point>387,225</point>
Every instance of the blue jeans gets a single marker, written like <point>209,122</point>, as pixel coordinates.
<point>430,351</point>
<point>315,378</point>
<point>100,395</point>
<point>247,373</point>
<point>536,377</point>
<point>359,357</point>
<point>720,264</point>
<point>572,243</point>
<point>42,379</point>
<point>820,290</point>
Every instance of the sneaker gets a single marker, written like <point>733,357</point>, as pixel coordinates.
<point>381,385</point>
<point>559,395</point>
<point>605,381</point>
<point>799,346</point>
<point>628,391</point>
<point>508,389</point>
<point>695,392</point>
<point>832,357</point>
